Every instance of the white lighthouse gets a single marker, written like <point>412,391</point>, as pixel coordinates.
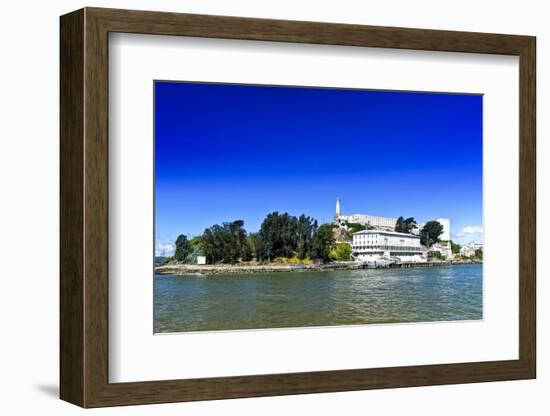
<point>337,208</point>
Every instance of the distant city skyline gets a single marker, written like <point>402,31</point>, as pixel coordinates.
<point>226,152</point>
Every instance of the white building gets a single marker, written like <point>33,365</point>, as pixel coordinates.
<point>444,248</point>
<point>386,223</point>
<point>469,250</point>
<point>364,219</point>
<point>446,223</point>
<point>373,245</point>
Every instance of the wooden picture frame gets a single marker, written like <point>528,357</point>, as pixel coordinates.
<point>84,207</point>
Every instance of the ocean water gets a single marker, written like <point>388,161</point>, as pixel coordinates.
<point>306,299</point>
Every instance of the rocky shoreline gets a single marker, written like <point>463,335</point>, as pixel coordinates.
<point>214,269</point>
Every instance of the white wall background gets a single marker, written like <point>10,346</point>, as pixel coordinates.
<point>29,160</point>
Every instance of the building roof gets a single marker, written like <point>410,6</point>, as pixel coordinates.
<point>394,233</point>
<point>369,215</point>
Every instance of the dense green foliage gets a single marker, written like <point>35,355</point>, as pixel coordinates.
<point>430,233</point>
<point>354,227</point>
<point>305,232</point>
<point>479,254</point>
<point>280,236</point>
<point>323,243</point>
<point>183,248</point>
<point>403,225</point>
<point>226,243</point>
<point>283,235</point>
<point>196,250</point>
<point>342,252</point>
<point>437,255</point>
<point>455,247</point>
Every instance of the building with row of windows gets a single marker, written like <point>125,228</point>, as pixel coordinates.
<point>364,219</point>
<point>382,242</point>
<point>375,245</point>
<point>385,223</point>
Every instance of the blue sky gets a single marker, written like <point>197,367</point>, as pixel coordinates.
<point>225,152</point>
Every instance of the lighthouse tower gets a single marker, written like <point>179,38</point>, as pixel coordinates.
<point>337,215</point>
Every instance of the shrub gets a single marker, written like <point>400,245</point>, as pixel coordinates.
<point>342,252</point>
<point>294,260</point>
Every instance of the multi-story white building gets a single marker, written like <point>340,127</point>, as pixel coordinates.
<point>364,219</point>
<point>373,245</point>
<point>386,223</point>
<point>371,220</point>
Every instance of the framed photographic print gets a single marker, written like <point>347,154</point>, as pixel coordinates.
<point>255,207</point>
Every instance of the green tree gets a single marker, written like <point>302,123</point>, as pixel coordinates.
<point>212,244</point>
<point>255,244</point>
<point>354,227</point>
<point>195,241</point>
<point>269,237</point>
<point>279,235</point>
<point>239,239</point>
<point>249,250</point>
<point>399,224</point>
<point>183,248</point>
<point>195,245</point>
<point>323,243</point>
<point>437,255</point>
<point>410,225</point>
<point>403,225</point>
<point>479,253</point>
<point>342,252</point>
<point>305,230</point>
<point>225,243</point>
<point>455,247</point>
<point>430,233</point>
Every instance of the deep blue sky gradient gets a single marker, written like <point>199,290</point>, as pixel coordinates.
<point>225,152</point>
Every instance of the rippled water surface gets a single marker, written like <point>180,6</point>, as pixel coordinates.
<point>282,300</point>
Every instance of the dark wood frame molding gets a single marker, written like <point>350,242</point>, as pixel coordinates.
<point>84,207</point>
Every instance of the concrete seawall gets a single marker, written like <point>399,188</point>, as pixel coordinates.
<point>213,269</point>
